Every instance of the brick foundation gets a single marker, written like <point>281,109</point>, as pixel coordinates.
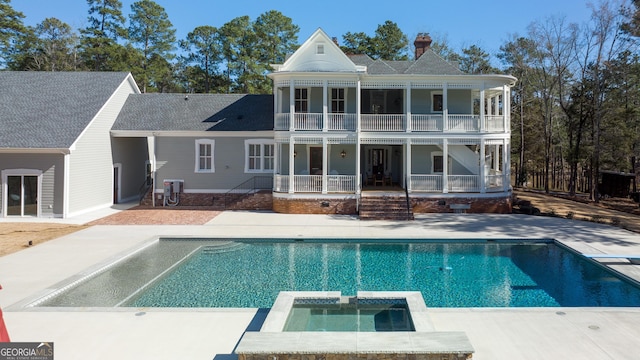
<point>315,206</point>
<point>494,205</point>
<point>262,200</point>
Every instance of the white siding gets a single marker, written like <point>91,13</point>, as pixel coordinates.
<point>91,164</point>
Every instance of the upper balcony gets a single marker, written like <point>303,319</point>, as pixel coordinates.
<point>454,123</point>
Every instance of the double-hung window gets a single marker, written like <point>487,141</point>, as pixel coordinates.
<point>259,155</point>
<point>337,101</point>
<point>302,100</point>
<point>204,155</point>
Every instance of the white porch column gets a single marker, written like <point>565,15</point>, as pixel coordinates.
<point>292,104</point>
<point>408,105</point>
<point>276,163</point>
<point>325,108</point>
<point>445,166</point>
<point>407,164</point>
<point>506,166</point>
<point>445,105</point>
<point>506,107</point>
<point>292,164</point>
<point>358,104</point>
<point>482,107</point>
<point>358,169</point>
<point>325,164</point>
<point>483,174</point>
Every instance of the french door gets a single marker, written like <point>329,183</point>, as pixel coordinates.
<point>22,195</point>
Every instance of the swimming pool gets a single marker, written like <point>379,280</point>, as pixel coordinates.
<point>251,273</point>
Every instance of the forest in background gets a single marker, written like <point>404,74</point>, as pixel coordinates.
<point>575,108</point>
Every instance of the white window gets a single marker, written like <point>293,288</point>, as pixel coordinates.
<point>437,103</point>
<point>320,49</point>
<point>204,155</point>
<point>259,155</point>
<point>337,101</point>
<point>437,163</point>
<point>302,100</point>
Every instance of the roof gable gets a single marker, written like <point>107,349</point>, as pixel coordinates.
<point>45,110</point>
<point>318,54</point>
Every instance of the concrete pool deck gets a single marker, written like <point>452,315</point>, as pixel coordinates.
<point>135,333</point>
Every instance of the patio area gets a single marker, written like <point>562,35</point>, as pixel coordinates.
<point>145,333</point>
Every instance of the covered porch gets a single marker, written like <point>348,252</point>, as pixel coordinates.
<point>350,165</point>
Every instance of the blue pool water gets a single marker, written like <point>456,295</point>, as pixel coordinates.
<point>463,274</point>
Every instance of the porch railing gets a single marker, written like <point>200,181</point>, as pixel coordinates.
<point>341,183</point>
<point>494,183</point>
<point>463,183</point>
<point>426,183</point>
<point>313,183</point>
<point>418,182</point>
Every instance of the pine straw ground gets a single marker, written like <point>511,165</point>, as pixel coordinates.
<point>16,236</point>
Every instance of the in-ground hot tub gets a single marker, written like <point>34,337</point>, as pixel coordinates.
<point>275,341</point>
<point>349,314</point>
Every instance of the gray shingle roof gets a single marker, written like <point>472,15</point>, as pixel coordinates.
<point>196,112</point>
<point>429,63</point>
<point>51,109</point>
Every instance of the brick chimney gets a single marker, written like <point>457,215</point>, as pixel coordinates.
<point>422,43</point>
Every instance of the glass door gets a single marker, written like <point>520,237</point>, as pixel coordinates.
<point>22,197</point>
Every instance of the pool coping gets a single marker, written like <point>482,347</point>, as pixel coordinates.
<point>277,317</point>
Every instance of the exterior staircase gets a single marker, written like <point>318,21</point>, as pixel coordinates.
<point>384,207</point>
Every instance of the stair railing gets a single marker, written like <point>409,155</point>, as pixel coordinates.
<point>144,188</point>
<point>406,194</point>
<point>247,187</point>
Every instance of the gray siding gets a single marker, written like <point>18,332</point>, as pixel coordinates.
<point>91,165</point>
<point>132,154</point>
<point>459,101</point>
<point>175,157</point>
<point>52,167</point>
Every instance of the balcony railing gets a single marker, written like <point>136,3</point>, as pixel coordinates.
<point>463,123</point>
<point>342,122</point>
<point>494,123</point>
<point>390,122</point>
<point>383,122</point>
<point>426,122</point>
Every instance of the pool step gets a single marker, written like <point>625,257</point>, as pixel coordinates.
<point>384,207</point>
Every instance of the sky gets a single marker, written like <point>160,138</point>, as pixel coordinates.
<point>459,23</point>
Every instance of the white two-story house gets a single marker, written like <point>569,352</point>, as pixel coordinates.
<point>348,127</point>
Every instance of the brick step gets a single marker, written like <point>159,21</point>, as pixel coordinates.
<point>384,208</point>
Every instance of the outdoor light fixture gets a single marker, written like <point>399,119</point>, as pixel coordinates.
<point>343,154</point>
